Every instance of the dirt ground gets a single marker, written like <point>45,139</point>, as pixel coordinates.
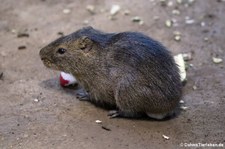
<point>35,112</point>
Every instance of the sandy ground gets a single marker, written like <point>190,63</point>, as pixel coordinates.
<point>35,112</point>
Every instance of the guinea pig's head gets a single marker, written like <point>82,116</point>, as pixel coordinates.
<point>69,53</point>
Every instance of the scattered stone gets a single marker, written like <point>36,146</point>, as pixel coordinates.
<point>66,11</point>
<point>1,75</point>
<point>217,60</point>
<point>187,56</point>
<point>188,3</point>
<point>20,35</point>
<point>114,9</point>
<point>163,3</point>
<point>98,121</point>
<point>194,87</point>
<point>165,137</point>
<point>13,31</point>
<point>105,128</point>
<point>191,65</point>
<point>189,21</point>
<point>183,108</point>
<point>168,23</point>
<point>174,22</point>
<point>177,35</point>
<point>176,12</point>
<point>36,100</point>
<point>91,9</point>
<point>60,33</point>
<point>22,47</point>
<point>181,102</point>
<point>202,24</point>
<point>181,65</point>
<point>179,1</point>
<point>141,22</point>
<point>126,12</point>
<point>191,1</point>
<point>170,4</point>
<point>136,19</point>
<point>206,39</point>
<point>86,22</point>
<point>112,18</point>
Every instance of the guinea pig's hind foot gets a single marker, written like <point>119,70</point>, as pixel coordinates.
<point>82,96</point>
<point>157,116</point>
<point>114,113</point>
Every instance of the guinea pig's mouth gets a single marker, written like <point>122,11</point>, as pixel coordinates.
<point>49,64</point>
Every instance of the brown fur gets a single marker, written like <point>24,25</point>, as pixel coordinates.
<point>128,70</point>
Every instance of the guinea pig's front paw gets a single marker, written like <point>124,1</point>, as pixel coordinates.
<point>122,113</point>
<point>83,96</point>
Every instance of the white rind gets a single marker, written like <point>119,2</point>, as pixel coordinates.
<point>68,77</point>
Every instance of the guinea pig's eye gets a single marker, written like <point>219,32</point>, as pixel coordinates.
<point>61,50</point>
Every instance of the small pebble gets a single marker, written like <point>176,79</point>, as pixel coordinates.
<point>20,35</point>
<point>165,137</point>
<point>173,20</point>
<point>183,108</point>
<point>163,3</point>
<point>206,39</point>
<point>106,128</point>
<point>22,47</point>
<point>136,19</point>
<point>114,9</point>
<point>98,121</point>
<point>112,18</point>
<point>176,33</point>
<point>217,60</point>
<point>126,12</point>
<point>194,87</point>
<point>170,3</point>
<point>60,33</point>
<point>181,102</point>
<point>66,11</point>
<point>177,37</point>
<point>168,23</point>
<point>191,1</point>
<point>1,75</point>
<point>91,9</point>
<point>179,1</point>
<point>202,24</point>
<point>86,22</point>
<point>13,31</point>
<point>187,56</point>
<point>141,22</point>
<point>36,100</point>
<point>176,12</point>
<point>189,21</point>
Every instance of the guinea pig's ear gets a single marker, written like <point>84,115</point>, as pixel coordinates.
<point>85,43</point>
